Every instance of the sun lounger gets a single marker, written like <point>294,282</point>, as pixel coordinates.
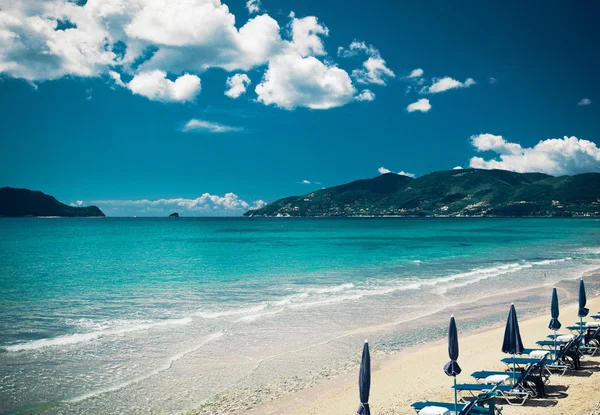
<point>566,358</point>
<point>516,394</point>
<point>484,404</point>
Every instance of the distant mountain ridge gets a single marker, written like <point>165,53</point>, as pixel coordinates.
<point>24,202</point>
<point>467,192</point>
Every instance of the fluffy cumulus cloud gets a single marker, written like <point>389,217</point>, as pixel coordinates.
<point>163,47</point>
<point>383,170</point>
<point>555,156</point>
<point>236,85</point>
<point>421,105</point>
<point>306,34</point>
<point>195,125</point>
<point>416,73</point>
<point>446,84</point>
<point>295,81</point>
<point>206,204</point>
<point>156,86</point>
<point>584,102</point>
<point>365,95</point>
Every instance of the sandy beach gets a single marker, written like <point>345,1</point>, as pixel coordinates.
<point>415,374</point>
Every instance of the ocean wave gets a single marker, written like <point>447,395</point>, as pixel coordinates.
<point>314,297</point>
<point>76,338</point>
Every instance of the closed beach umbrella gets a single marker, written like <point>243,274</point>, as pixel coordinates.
<point>582,300</point>
<point>452,368</point>
<point>364,381</point>
<point>512,343</point>
<point>554,323</point>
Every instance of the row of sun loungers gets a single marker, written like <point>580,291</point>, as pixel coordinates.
<point>525,376</point>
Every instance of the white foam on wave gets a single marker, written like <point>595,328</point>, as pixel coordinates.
<point>163,367</point>
<point>232,312</point>
<point>481,274</point>
<point>268,308</point>
<point>76,338</point>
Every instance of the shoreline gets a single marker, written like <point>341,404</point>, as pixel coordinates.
<point>394,372</point>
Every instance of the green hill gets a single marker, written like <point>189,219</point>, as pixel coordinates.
<point>468,192</point>
<point>24,202</point>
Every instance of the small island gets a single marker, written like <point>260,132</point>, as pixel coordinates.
<point>174,215</point>
<point>19,203</point>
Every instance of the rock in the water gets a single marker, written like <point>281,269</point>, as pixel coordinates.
<point>174,215</point>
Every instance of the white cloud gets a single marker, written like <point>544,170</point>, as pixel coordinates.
<point>447,83</point>
<point>294,81</point>
<point>374,71</point>
<point>457,168</point>
<point>422,105</point>
<point>156,86</point>
<point>492,80</point>
<point>403,173</point>
<point>357,48</point>
<point>555,156</point>
<point>305,181</point>
<point>253,6</point>
<point>237,85</point>
<point>206,204</point>
<point>365,95</point>
<point>416,73</point>
<point>383,170</point>
<point>195,125</point>
<point>78,203</point>
<point>305,35</point>
<point>585,101</point>
<point>116,77</point>
<point>496,143</point>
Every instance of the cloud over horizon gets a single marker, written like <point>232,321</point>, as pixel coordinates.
<point>204,205</point>
<point>383,170</point>
<point>555,156</point>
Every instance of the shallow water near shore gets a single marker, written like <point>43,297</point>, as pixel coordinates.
<point>159,315</point>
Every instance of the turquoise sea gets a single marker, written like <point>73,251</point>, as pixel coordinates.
<point>146,315</point>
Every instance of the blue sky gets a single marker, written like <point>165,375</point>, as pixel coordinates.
<point>126,108</point>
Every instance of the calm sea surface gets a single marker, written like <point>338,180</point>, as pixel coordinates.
<point>157,315</point>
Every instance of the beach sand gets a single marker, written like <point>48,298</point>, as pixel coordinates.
<point>415,374</point>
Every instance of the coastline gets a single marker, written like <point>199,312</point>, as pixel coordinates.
<point>414,373</point>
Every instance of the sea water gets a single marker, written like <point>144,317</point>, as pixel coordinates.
<point>148,315</point>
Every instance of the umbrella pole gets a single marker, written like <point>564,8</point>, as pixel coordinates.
<point>554,344</point>
<point>580,325</point>
<point>514,369</point>
<point>455,398</point>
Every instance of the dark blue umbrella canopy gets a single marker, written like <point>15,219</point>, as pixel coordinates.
<point>554,311</point>
<point>582,300</point>
<point>512,343</point>
<point>452,368</point>
<point>364,381</point>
